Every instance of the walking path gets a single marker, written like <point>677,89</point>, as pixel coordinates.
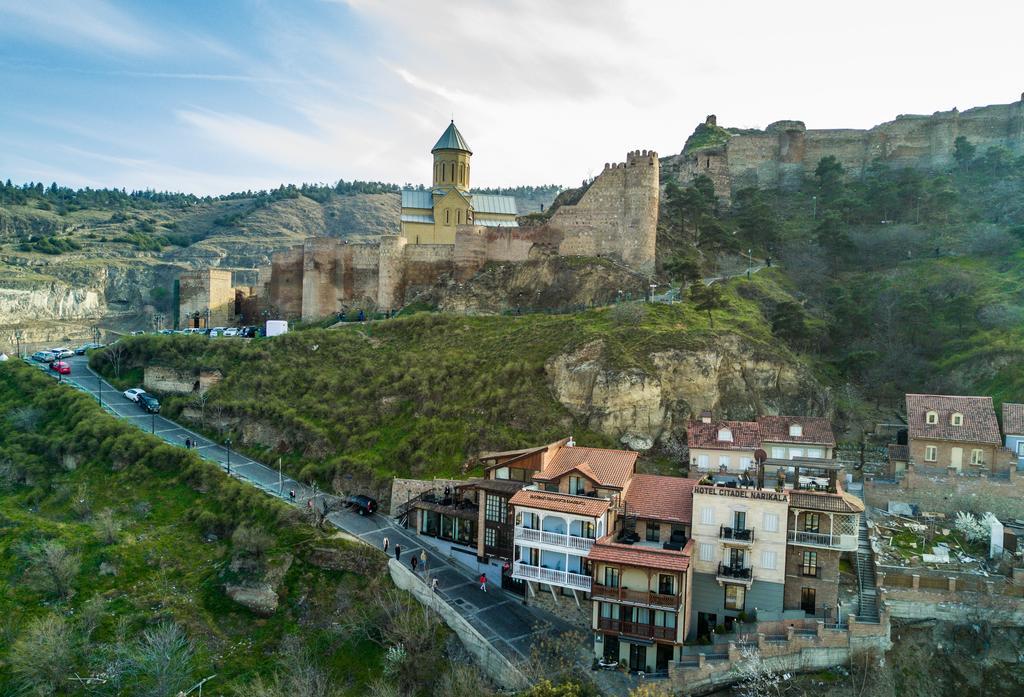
<point>501,617</point>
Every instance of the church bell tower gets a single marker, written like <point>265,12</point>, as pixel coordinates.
<point>451,161</point>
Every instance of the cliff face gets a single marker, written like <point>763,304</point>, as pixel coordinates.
<point>644,406</point>
<point>786,151</point>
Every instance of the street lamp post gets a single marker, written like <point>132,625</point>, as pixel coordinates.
<point>17,338</point>
<point>227,444</point>
<point>152,422</point>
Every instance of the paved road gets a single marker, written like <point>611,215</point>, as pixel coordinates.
<point>498,615</point>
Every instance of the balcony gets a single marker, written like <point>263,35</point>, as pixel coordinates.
<point>554,539</point>
<point>566,579</point>
<point>823,540</point>
<point>733,574</point>
<point>740,537</point>
<point>624,595</point>
<point>644,631</point>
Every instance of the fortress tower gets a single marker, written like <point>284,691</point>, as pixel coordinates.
<point>451,161</point>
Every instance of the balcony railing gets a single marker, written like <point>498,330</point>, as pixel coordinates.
<point>823,539</point>
<point>580,544</point>
<point>645,631</point>
<point>743,536</point>
<point>734,573</point>
<point>526,572</point>
<point>624,595</point>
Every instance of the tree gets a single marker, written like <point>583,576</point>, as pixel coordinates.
<point>107,526</point>
<point>707,299</point>
<point>42,656</point>
<point>53,569</point>
<point>760,676</point>
<point>115,355</point>
<point>162,661</point>
<point>833,239</point>
<point>829,176</point>
<point>683,268</point>
<point>788,322</point>
<point>755,218</point>
<point>251,540</point>
<point>963,151</point>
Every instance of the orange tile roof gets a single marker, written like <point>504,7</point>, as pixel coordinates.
<point>648,557</point>
<point>745,435</point>
<point>979,424</point>
<point>840,502</point>
<point>1013,419</point>
<point>655,497</point>
<point>561,503</point>
<point>610,468</point>
<point>817,430</point>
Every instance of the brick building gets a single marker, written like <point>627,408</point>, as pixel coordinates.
<point>953,431</point>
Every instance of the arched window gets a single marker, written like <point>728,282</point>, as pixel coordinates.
<point>931,417</point>
<point>462,174</point>
<point>458,216</point>
<point>956,419</point>
<point>447,216</point>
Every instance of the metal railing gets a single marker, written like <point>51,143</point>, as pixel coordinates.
<point>646,631</point>
<point>742,535</point>
<point>742,573</point>
<point>581,544</point>
<point>528,572</point>
<point>823,539</point>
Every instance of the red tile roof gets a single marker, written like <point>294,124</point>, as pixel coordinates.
<point>1013,419</point>
<point>817,430</point>
<point>560,503</point>
<point>648,557</point>
<point>840,502</point>
<point>655,497</point>
<point>745,435</point>
<point>608,468</point>
<point>979,424</point>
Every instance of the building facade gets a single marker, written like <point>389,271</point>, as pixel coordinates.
<point>1013,430</point>
<point>739,554</point>
<point>206,298</point>
<point>954,432</point>
<point>721,446</point>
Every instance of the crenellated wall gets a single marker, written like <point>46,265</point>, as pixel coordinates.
<point>786,151</point>
<point>617,216</point>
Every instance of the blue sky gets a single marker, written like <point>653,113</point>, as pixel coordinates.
<point>226,95</point>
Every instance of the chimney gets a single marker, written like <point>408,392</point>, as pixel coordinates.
<point>570,443</point>
<point>705,417</point>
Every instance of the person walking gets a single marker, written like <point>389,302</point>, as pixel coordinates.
<point>291,494</point>
<point>398,552</point>
<point>413,562</point>
<point>188,444</point>
<point>387,542</point>
<point>433,586</point>
<point>483,582</point>
<point>423,560</point>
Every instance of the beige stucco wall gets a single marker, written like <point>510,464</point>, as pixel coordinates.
<point>713,454</point>
<point>790,450</point>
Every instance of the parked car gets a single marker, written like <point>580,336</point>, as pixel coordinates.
<point>149,403</point>
<point>218,331</point>
<point>138,333</point>
<point>231,331</point>
<point>133,394</point>
<point>61,368</point>
<point>166,331</point>
<point>44,357</point>
<point>363,505</point>
<point>81,350</point>
<point>62,352</point>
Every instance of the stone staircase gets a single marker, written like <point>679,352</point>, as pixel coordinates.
<point>867,610</point>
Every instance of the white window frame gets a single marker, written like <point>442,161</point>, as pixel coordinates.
<point>770,522</point>
<point>778,453</point>
<point>745,462</point>
<point>795,453</point>
<point>956,419</point>
<point>1020,448</point>
<point>768,559</point>
<point>725,435</point>
<point>931,418</point>
<point>703,461</point>
<point>931,453</point>
<point>707,551</point>
<point>707,515</point>
<point>977,456</point>
<point>796,431</point>
<point>815,452</point>
<point>724,461</point>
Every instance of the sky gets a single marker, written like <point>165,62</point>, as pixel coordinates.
<point>229,95</point>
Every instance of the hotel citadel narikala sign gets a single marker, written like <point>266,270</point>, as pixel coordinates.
<point>758,494</point>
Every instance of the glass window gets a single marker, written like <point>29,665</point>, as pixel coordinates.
<point>778,453</point>
<point>501,473</point>
<point>957,419</point>
<point>807,600</point>
<point>703,461</point>
<point>723,461</point>
<point>932,417</point>
<point>815,452</point>
<point>931,453</point>
<point>977,457</point>
<point>490,537</point>
<point>664,619</point>
<point>809,567</point>
<point>653,532</point>
<point>734,596</point>
<point>610,611</point>
<point>796,430</point>
<point>666,584</point>
<point>812,522</point>
<point>725,434</point>
<point>552,487</point>
<point>739,519</point>
<point>577,485</point>
<point>611,577</point>
<point>496,509</point>
<point>643,615</point>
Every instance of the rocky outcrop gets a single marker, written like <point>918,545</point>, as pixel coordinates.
<point>641,406</point>
<point>169,381</point>
<point>261,595</point>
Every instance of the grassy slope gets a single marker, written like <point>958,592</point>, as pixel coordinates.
<point>165,568</point>
<point>421,395</point>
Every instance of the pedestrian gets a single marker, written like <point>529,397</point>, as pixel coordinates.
<point>291,494</point>
<point>423,560</point>
<point>413,562</point>
<point>433,586</point>
<point>398,552</point>
<point>387,542</point>
<point>483,582</point>
<point>188,444</point>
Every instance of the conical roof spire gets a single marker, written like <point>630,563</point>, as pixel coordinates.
<point>451,139</point>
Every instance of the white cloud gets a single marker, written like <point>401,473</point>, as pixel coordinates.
<point>92,24</point>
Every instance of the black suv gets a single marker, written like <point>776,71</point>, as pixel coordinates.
<point>149,403</point>
<point>363,505</point>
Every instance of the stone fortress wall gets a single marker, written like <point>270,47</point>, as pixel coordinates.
<point>783,153</point>
<point>616,217</point>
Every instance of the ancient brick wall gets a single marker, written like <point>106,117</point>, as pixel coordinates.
<point>617,216</point>
<point>322,271</point>
<point>285,296</point>
<point>391,271</point>
<point>424,265</point>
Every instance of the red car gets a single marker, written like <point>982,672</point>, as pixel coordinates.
<point>61,367</point>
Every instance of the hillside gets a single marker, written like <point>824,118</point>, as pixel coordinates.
<point>423,395</point>
<point>132,567</point>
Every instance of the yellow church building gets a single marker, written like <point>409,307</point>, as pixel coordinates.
<point>429,216</point>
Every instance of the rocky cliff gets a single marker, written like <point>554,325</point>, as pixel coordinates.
<point>645,406</point>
